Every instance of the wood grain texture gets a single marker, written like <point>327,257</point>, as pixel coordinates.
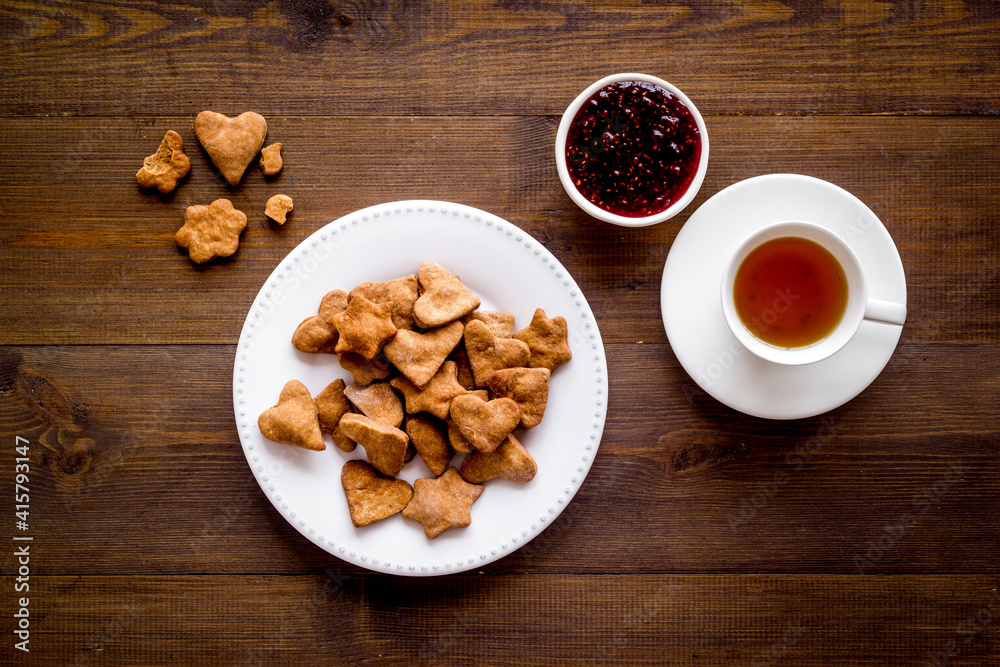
<point>350,618</point>
<point>137,444</point>
<point>701,536</point>
<point>90,258</point>
<point>290,57</point>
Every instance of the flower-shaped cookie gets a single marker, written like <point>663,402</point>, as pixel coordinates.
<point>211,231</point>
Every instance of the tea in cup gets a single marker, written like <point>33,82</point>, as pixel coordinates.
<point>795,293</point>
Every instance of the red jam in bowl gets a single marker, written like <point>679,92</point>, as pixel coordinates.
<point>633,149</point>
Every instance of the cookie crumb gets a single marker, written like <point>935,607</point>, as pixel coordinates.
<point>277,208</point>
<point>270,159</point>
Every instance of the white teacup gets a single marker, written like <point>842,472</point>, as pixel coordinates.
<point>858,308</point>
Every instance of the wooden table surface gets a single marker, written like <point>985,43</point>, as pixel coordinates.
<point>868,535</point>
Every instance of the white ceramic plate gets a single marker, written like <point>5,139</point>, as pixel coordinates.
<point>510,271</point>
<point>692,308</point>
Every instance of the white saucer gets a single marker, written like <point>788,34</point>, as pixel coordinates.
<point>692,312</point>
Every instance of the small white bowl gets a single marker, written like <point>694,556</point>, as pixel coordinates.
<point>626,221</point>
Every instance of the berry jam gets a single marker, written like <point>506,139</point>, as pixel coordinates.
<point>633,149</point>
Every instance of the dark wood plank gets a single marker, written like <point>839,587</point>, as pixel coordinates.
<point>287,57</point>
<point>352,618</point>
<point>135,446</point>
<point>89,258</point>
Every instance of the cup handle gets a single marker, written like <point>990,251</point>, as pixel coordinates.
<point>886,312</point>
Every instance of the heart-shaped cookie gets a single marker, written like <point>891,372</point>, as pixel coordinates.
<point>485,423</point>
<point>528,387</point>
<point>489,353</point>
<point>444,298</point>
<point>510,461</point>
<point>294,420</point>
<point>384,445</point>
<point>371,496</point>
<point>232,143</point>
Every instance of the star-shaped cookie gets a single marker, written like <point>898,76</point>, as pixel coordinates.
<point>442,503</point>
<point>364,327</point>
<point>211,231</point>
<point>547,340</point>
<point>436,396</point>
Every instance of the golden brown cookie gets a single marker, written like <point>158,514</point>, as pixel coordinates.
<point>528,387</point>
<point>384,445</point>
<point>232,143</point>
<point>418,356</point>
<point>371,496</point>
<point>548,340</point>
<point>270,159</point>
<point>278,207</point>
<point>461,358</point>
<point>510,461</point>
<point>442,503</point>
<point>488,353</point>
<point>430,437</point>
<point>484,423</point>
<point>333,302</point>
<point>444,298</point>
<point>166,166</point>
<point>294,420</point>
<point>211,231</point>
<point>401,292</point>
<point>378,401</point>
<point>331,405</point>
<point>436,396</point>
<point>316,334</point>
<point>499,322</point>
<point>364,327</point>
<point>458,441</point>
<point>365,370</point>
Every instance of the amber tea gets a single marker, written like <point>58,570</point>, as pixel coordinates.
<point>790,292</point>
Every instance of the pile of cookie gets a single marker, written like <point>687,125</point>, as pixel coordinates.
<point>432,375</point>
<point>232,143</point>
